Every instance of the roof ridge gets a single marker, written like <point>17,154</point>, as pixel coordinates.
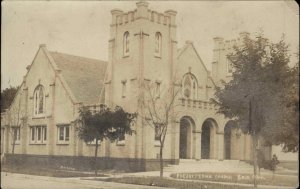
<point>75,56</point>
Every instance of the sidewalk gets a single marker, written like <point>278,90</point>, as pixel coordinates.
<point>213,167</point>
<point>17,181</point>
<point>200,181</point>
<point>249,185</point>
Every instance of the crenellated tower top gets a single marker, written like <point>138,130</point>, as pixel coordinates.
<point>143,12</point>
<point>221,65</point>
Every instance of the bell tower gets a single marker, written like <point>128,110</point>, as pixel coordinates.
<point>142,48</point>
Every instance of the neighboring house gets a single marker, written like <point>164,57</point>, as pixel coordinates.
<point>142,47</point>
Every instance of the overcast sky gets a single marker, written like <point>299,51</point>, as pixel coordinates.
<point>82,28</point>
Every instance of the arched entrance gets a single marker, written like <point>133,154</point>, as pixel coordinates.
<point>230,140</point>
<point>185,137</point>
<point>208,139</point>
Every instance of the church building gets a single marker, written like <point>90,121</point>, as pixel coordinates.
<point>142,48</point>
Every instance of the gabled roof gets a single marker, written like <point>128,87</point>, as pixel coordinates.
<point>190,44</point>
<point>84,76</point>
<point>183,49</point>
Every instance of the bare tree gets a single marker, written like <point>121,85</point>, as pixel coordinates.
<point>16,116</point>
<point>159,109</point>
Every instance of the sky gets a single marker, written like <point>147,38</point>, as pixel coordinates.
<point>82,28</point>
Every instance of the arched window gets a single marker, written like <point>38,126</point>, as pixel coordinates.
<point>189,87</point>
<point>158,40</point>
<point>39,100</point>
<point>126,44</point>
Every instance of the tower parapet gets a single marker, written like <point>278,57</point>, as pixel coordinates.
<point>115,13</point>
<point>142,9</point>
<point>221,66</point>
<point>167,18</point>
<point>218,41</point>
<point>172,15</point>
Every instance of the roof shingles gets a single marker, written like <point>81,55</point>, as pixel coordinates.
<point>83,75</point>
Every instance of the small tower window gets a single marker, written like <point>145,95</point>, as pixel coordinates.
<point>158,40</point>
<point>16,134</point>
<point>157,133</point>
<point>123,88</point>
<point>157,90</point>
<point>126,44</point>
<point>39,100</point>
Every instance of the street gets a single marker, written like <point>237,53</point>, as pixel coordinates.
<point>21,181</point>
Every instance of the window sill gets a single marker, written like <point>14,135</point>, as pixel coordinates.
<point>16,143</point>
<point>126,56</point>
<point>157,56</point>
<point>121,143</point>
<point>37,143</point>
<point>42,116</point>
<point>62,143</point>
<point>92,144</point>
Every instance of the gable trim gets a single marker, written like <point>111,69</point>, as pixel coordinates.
<point>104,82</point>
<point>60,77</point>
<point>192,45</point>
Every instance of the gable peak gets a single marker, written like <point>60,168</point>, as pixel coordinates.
<point>42,45</point>
<point>189,42</point>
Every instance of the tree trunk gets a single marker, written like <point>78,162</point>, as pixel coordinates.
<point>13,144</point>
<point>161,161</point>
<point>95,160</point>
<point>254,143</point>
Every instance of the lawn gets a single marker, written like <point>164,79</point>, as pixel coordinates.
<point>198,184</point>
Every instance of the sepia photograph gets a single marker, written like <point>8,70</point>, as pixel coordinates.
<point>149,94</point>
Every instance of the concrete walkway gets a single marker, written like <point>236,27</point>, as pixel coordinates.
<point>239,184</point>
<point>18,181</point>
<point>193,166</point>
<point>213,166</point>
<point>185,166</point>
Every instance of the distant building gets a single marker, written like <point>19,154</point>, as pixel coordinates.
<point>142,47</point>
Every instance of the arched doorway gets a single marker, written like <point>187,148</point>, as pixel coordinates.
<point>230,140</point>
<point>208,139</point>
<point>185,137</point>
